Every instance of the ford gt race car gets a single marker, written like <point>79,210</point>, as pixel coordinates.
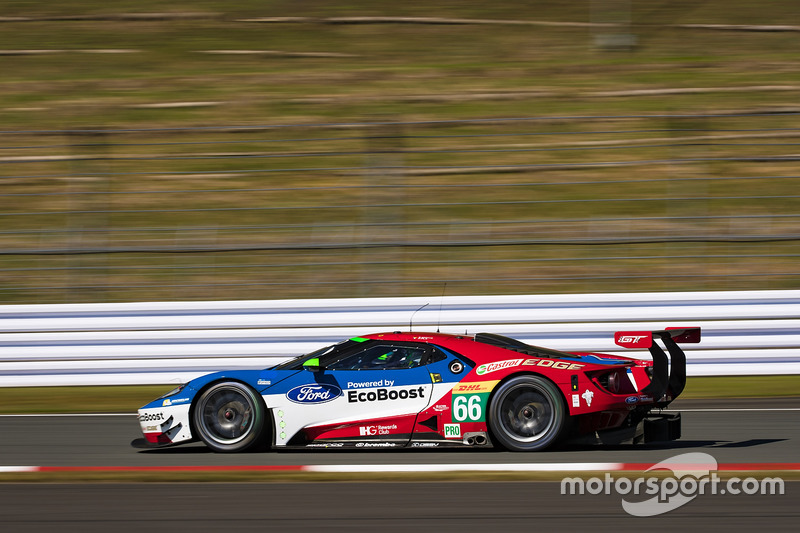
<point>392,390</point>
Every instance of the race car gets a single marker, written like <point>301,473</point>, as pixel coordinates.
<point>410,389</point>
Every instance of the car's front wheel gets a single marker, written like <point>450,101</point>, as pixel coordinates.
<point>527,414</point>
<point>229,417</point>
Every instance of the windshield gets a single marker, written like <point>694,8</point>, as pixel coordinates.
<point>297,362</point>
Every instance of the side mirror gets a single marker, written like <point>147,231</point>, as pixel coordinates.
<point>312,365</point>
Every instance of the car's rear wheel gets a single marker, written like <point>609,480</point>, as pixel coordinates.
<point>229,417</point>
<point>527,413</point>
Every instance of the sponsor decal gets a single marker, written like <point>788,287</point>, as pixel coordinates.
<point>550,363</point>
<point>151,429</point>
<point>436,378</point>
<point>176,401</point>
<point>369,431</point>
<point>264,382</point>
<point>375,444</point>
<point>452,431</point>
<point>499,365</point>
<point>440,407</point>
<point>644,398</point>
<point>370,384</point>
<point>456,367</point>
<point>480,386</point>
<point>630,400</point>
<point>588,395</point>
<point>316,393</point>
<point>424,444</point>
<point>325,445</point>
<point>576,400</point>
<point>381,395</point>
<point>151,417</point>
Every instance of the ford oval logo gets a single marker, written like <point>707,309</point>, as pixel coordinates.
<point>631,399</point>
<point>316,393</point>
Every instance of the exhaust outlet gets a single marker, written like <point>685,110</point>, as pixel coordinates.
<point>478,438</point>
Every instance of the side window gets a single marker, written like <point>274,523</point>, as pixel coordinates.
<point>437,355</point>
<point>382,357</point>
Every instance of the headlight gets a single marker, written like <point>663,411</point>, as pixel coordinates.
<point>173,392</point>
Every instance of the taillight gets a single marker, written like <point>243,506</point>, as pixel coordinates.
<point>614,381</point>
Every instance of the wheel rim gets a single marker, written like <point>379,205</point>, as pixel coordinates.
<point>227,415</point>
<point>526,414</point>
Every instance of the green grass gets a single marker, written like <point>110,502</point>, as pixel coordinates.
<point>395,59</point>
<point>742,387</point>
<point>396,73</point>
<point>127,399</point>
<point>100,399</point>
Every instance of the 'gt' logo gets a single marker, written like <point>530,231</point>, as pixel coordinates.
<point>631,338</point>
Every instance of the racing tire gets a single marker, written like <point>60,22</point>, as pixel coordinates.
<point>229,417</point>
<point>526,414</point>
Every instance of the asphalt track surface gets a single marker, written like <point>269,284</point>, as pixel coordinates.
<point>752,431</point>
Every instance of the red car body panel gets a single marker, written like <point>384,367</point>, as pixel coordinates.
<point>594,406</point>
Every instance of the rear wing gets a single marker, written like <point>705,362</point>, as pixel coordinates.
<point>665,375</point>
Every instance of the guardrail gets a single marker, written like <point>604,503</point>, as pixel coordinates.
<point>744,332</point>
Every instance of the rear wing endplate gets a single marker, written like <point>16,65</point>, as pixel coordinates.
<point>665,375</point>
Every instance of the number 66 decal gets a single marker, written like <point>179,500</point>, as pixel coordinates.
<point>469,407</point>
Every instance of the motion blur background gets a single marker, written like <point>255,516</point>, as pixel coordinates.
<point>202,150</point>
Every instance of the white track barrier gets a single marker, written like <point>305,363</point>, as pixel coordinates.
<point>744,332</point>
